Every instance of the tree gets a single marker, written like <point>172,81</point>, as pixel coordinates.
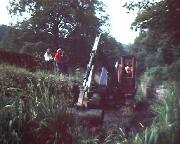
<point>69,24</point>
<point>161,21</point>
<point>158,23</point>
<point>9,38</point>
<point>111,48</point>
<point>60,17</point>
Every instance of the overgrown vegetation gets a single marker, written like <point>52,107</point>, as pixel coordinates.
<point>157,47</point>
<point>34,108</point>
<point>157,53</point>
<point>164,127</point>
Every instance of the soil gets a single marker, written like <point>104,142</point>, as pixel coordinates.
<point>130,118</point>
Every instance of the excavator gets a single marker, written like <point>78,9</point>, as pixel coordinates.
<point>109,88</point>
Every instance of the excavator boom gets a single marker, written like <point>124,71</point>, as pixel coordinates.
<point>89,73</point>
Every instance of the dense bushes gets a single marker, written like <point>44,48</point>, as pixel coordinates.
<point>165,127</point>
<point>33,107</point>
<point>160,73</point>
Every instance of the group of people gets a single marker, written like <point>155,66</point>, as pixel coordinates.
<point>59,60</point>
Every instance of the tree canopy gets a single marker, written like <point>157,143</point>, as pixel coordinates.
<point>159,40</point>
<point>61,18</point>
<point>69,24</point>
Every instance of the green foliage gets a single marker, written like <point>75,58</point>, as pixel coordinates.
<point>149,136</point>
<point>173,71</point>
<point>51,113</point>
<point>3,29</point>
<point>164,128</point>
<point>23,41</point>
<point>160,74</point>
<point>71,25</point>
<point>116,136</point>
<point>34,49</point>
<point>168,115</point>
<point>139,5</point>
<point>156,74</point>
<point>60,18</point>
<point>146,52</point>
<point>159,36</point>
<point>9,112</point>
<point>35,104</point>
<point>111,48</point>
<point>87,136</point>
<point>9,39</point>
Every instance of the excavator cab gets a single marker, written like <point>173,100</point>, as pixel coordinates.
<point>126,75</point>
<point>116,86</point>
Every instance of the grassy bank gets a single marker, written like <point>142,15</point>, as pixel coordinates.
<point>165,127</point>
<point>33,108</point>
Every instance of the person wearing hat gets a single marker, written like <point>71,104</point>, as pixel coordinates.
<point>58,59</point>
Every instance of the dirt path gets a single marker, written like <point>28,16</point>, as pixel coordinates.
<point>130,119</point>
<point>117,117</point>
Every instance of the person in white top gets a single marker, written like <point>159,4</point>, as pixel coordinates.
<point>48,56</point>
<point>48,59</point>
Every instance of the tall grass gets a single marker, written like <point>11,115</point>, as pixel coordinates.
<point>165,128</point>
<point>10,112</point>
<point>116,136</point>
<point>34,109</point>
<point>169,115</point>
<point>49,111</point>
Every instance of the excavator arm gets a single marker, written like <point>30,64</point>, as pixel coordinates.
<point>97,56</point>
<point>89,73</point>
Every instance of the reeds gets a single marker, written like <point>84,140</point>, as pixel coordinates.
<point>166,125</point>
<point>34,109</point>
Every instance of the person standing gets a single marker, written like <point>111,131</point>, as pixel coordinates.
<point>103,77</point>
<point>48,59</point>
<point>58,60</point>
<point>65,61</point>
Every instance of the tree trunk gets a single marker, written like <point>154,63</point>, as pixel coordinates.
<point>56,34</point>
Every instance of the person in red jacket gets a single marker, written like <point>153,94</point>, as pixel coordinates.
<point>58,59</point>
